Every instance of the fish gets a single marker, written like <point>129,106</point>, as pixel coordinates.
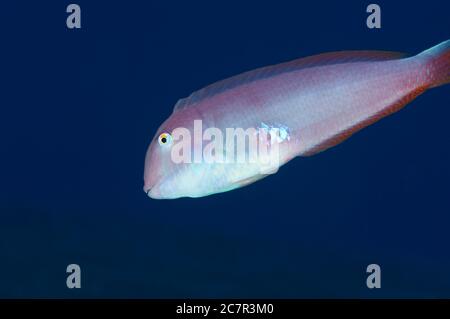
<point>306,106</point>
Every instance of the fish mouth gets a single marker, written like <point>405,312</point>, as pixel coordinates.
<point>152,193</point>
<point>148,190</point>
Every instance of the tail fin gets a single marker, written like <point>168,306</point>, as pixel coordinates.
<point>438,63</point>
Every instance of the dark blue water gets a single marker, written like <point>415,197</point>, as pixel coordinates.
<point>79,107</point>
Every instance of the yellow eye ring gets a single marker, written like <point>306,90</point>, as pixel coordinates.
<point>164,139</point>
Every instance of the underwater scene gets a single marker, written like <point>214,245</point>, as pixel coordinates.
<point>225,149</point>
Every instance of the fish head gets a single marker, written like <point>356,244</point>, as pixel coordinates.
<point>175,166</point>
<point>167,174</point>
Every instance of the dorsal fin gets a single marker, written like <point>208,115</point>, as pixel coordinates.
<point>272,70</point>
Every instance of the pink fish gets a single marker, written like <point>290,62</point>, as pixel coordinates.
<point>317,101</point>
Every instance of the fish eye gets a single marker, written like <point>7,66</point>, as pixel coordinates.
<point>164,139</point>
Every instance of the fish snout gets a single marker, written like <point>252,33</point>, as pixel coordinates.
<point>152,192</point>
